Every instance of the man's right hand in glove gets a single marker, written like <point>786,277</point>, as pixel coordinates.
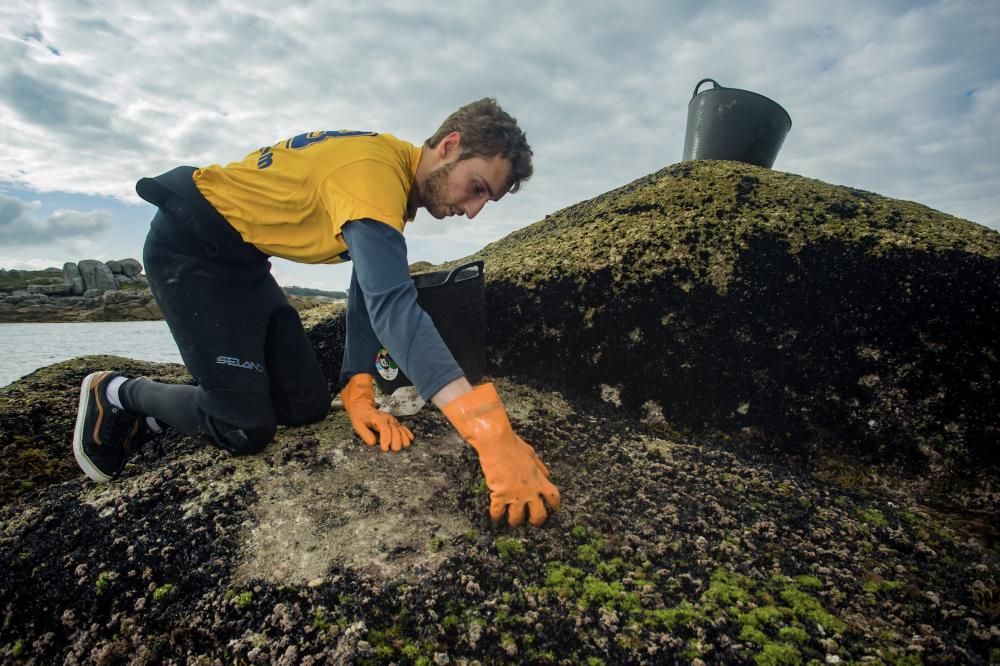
<point>359,401</point>
<point>517,479</point>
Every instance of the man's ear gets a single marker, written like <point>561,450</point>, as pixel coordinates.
<point>449,144</point>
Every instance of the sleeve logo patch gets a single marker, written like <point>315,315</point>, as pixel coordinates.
<point>386,367</point>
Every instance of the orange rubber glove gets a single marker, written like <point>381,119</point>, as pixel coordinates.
<point>359,401</point>
<point>517,479</point>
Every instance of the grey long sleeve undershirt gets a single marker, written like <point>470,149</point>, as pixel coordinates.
<point>382,310</point>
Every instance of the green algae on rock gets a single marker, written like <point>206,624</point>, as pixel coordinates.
<point>762,304</point>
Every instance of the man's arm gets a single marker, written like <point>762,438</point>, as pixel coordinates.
<point>380,265</point>
<point>452,390</point>
<point>517,479</point>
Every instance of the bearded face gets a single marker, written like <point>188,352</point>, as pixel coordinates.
<point>435,192</point>
<point>462,186</point>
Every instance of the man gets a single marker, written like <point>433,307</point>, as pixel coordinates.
<point>322,197</point>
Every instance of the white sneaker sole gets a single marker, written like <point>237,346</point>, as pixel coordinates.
<point>88,467</point>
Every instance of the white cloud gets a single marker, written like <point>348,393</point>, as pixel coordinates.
<point>901,98</point>
<point>30,264</point>
<point>21,225</point>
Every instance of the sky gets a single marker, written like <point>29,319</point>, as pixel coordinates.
<point>901,98</point>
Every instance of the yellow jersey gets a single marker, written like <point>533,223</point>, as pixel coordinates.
<point>291,199</point>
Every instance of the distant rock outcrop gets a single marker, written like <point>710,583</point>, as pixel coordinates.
<point>130,268</point>
<point>90,290</point>
<point>97,275</point>
<point>73,278</point>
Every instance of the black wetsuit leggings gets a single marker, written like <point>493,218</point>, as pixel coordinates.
<point>241,340</point>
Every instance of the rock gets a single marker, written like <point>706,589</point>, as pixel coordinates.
<point>421,267</point>
<point>130,267</point>
<point>235,542</point>
<point>115,296</point>
<point>96,275</point>
<point>76,300</point>
<point>765,305</point>
<point>72,277</point>
<point>125,306</point>
<point>49,289</point>
<point>326,327</point>
<point>37,448</point>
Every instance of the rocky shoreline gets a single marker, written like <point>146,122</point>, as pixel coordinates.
<point>90,290</point>
<point>95,291</point>
<point>321,550</point>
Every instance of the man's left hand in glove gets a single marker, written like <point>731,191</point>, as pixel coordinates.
<point>359,401</point>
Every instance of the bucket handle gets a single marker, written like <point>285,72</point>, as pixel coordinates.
<point>455,272</point>
<point>714,83</point>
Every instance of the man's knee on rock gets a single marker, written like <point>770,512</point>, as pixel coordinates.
<point>239,421</point>
<point>316,410</point>
<point>247,440</point>
<point>305,408</point>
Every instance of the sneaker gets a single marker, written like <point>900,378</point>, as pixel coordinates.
<point>104,434</point>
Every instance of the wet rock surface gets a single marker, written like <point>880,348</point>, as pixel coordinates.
<point>322,550</point>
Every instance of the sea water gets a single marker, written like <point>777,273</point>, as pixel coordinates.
<point>27,347</point>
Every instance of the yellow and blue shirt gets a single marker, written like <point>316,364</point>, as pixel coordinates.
<point>292,199</point>
<point>327,197</point>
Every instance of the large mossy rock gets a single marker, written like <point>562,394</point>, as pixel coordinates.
<point>763,304</point>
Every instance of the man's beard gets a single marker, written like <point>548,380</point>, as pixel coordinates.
<point>434,191</point>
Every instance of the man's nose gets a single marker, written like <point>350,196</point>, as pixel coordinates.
<point>472,209</point>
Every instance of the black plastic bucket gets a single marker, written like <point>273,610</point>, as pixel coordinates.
<point>455,301</point>
<point>732,124</point>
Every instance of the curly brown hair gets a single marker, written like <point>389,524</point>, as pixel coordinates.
<point>487,130</point>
